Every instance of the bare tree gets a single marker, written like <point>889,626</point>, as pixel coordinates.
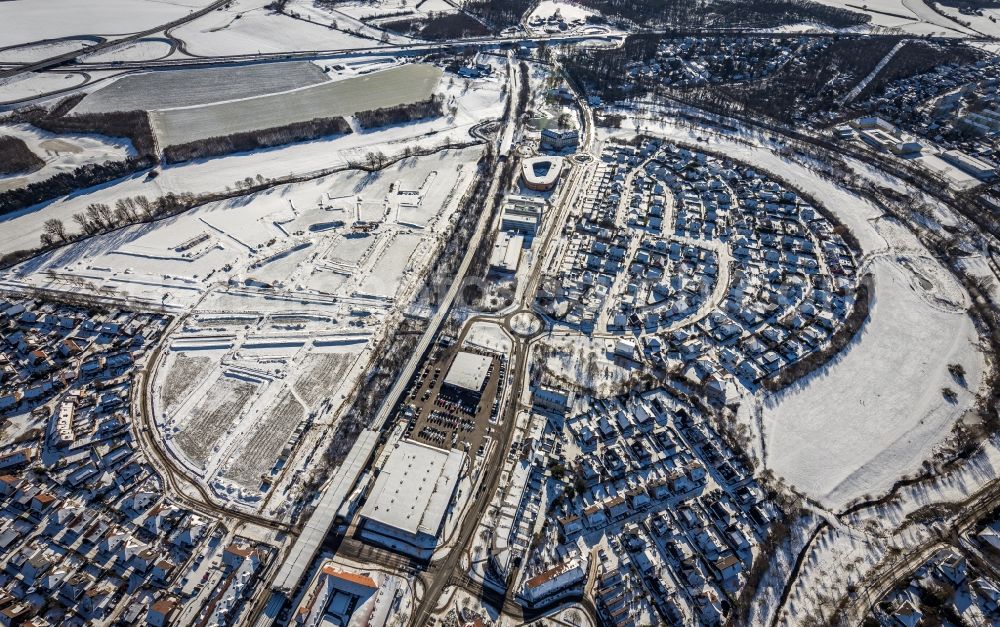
<point>55,229</point>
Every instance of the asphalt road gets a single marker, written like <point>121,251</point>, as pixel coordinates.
<point>444,573</point>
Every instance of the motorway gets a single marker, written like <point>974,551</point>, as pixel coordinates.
<point>68,57</point>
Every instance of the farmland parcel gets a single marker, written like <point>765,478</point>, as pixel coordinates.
<point>186,88</point>
<point>388,88</point>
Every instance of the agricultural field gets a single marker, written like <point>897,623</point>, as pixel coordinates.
<point>910,16</point>
<point>405,84</point>
<point>185,374</point>
<point>248,27</point>
<point>27,21</point>
<point>321,374</point>
<point>187,88</point>
<point>393,264</point>
<point>262,446</point>
<point>212,416</point>
<point>474,100</point>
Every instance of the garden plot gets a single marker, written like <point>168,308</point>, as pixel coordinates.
<point>212,417</point>
<point>248,27</point>
<point>321,375</point>
<point>325,280</point>
<point>398,85</point>
<point>184,374</point>
<point>884,393</point>
<point>260,450</point>
<point>26,21</point>
<point>387,275</point>
<point>187,88</point>
<point>351,250</point>
<point>279,268</point>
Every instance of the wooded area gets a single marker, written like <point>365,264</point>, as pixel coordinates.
<point>16,157</point>
<point>255,140</point>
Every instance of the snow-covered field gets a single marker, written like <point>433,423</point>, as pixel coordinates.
<point>61,153</point>
<point>399,85</point>
<point>191,87</point>
<point>982,23</point>
<point>32,84</point>
<point>141,50</point>
<point>878,411</point>
<point>37,52</point>
<point>247,27</point>
<point>26,21</point>
<point>546,15</point>
<point>913,17</point>
<point>476,101</point>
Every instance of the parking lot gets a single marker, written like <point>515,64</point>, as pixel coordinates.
<point>446,418</point>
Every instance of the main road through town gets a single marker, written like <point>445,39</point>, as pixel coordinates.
<point>442,573</point>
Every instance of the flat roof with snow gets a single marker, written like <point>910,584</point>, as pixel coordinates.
<point>414,488</point>
<point>468,371</point>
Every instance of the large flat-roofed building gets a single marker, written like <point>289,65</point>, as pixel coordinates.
<point>468,372</point>
<point>506,254</point>
<point>522,214</point>
<point>555,139</point>
<point>406,507</point>
<point>969,164</point>
<point>541,173</point>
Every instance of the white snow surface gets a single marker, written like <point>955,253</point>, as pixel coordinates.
<point>26,21</point>
<point>878,410</point>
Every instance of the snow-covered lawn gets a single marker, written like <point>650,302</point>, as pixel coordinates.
<point>877,411</point>
<point>25,21</point>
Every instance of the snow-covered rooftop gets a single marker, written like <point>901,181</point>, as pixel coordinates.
<point>468,371</point>
<point>414,487</point>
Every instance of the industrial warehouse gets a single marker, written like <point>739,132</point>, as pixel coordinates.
<point>407,506</point>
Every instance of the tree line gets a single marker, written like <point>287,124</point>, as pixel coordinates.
<point>132,125</point>
<point>256,139</point>
<point>728,14</point>
<point>431,108</point>
<point>16,157</point>
<point>65,183</point>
